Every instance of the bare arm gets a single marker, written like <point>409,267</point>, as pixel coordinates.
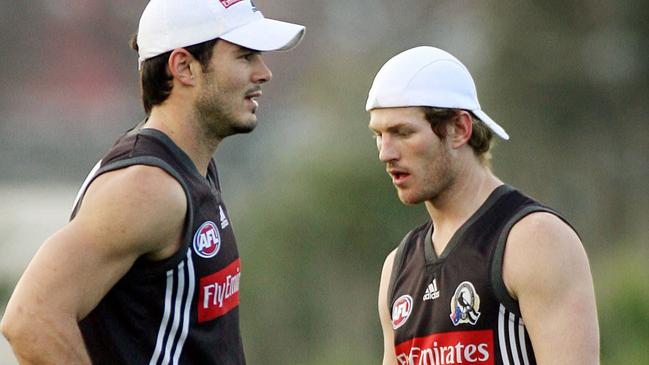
<point>389,357</point>
<point>126,214</point>
<point>546,269</point>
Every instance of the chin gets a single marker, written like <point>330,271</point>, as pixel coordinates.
<point>409,199</point>
<point>245,127</point>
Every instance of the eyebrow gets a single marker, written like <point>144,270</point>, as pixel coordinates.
<point>393,128</point>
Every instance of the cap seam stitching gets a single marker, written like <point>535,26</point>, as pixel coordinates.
<point>428,64</point>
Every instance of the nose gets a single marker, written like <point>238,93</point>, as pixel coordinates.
<point>262,73</point>
<point>387,149</point>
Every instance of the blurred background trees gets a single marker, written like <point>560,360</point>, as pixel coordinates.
<point>314,212</point>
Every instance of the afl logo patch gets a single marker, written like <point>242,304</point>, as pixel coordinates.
<point>465,304</point>
<point>401,310</point>
<point>207,240</point>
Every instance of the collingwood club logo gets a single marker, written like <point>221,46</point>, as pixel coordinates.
<point>431,291</point>
<point>465,304</point>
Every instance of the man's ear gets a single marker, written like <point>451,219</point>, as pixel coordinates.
<point>179,65</point>
<point>461,129</point>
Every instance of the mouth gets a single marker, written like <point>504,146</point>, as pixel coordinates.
<point>252,96</point>
<point>399,177</point>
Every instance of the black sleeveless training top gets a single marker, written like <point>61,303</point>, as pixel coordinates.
<point>184,309</point>
<point>455,309</point>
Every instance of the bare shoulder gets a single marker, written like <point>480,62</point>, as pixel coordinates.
<point>540,223</point>
<point>140,205</point>
<point>546,270</point>
<point>126,214</point>
<point>386,273</point>
<point>543,232</point>
<point>384,287</point>
<point>389,357</point>
<point>389,262</point>
<point>541,244</point>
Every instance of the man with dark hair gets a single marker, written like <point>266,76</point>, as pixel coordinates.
<point>147,271</point>
<point>493,277</point>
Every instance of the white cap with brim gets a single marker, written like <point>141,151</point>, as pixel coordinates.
<point>169,24</point>
<point>427,76</point>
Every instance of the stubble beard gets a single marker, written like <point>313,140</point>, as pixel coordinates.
<point>218,120</point>
<point>436,179</point>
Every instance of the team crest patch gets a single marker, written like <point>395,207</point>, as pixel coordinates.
<point>465,304</point>
<point>401,310</point>
<point>207,240</point>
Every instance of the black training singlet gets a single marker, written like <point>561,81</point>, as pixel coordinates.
<point>184,309</point>
<point>455,309</point>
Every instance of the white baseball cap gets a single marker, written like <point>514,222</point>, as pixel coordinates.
<point>427,76</point>
<point>169,24</point>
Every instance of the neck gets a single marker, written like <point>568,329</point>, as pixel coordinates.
<point>185,131</point>
<point>456,204</point>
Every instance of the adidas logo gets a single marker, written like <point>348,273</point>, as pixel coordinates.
<point>431,292</point>
<point>224,219</point>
